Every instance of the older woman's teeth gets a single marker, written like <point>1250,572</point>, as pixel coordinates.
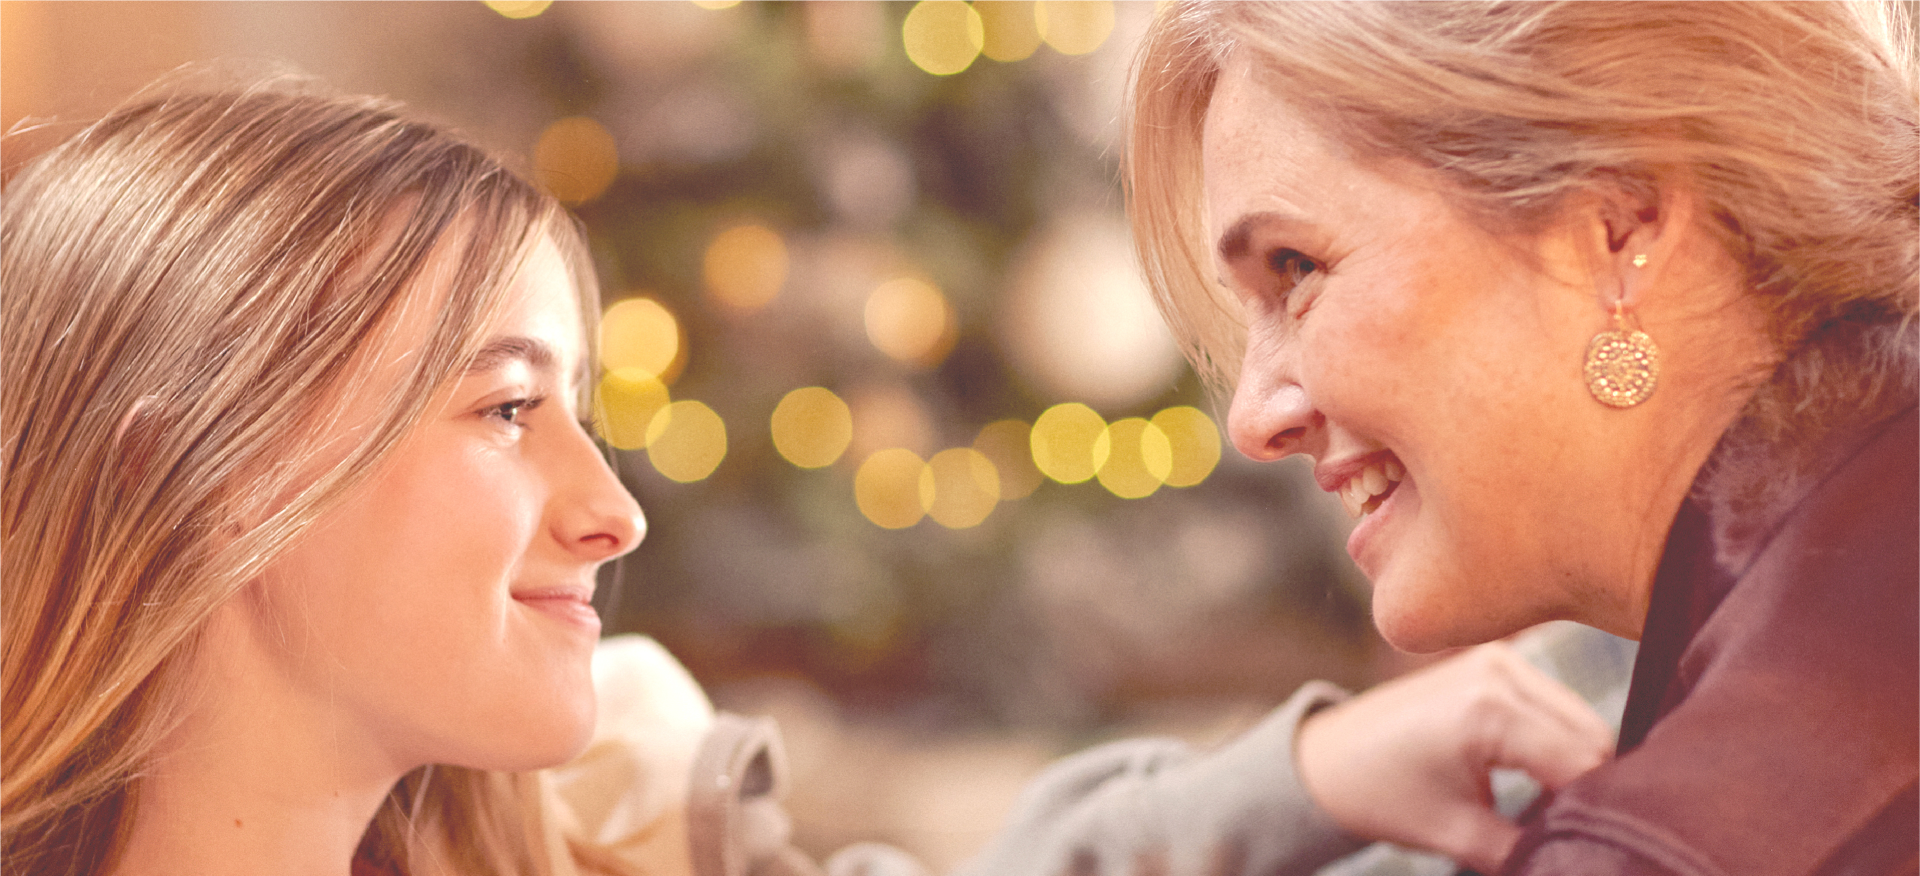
<point>1362,492</point>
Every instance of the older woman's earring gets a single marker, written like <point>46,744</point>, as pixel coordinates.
<point>1622,365</point>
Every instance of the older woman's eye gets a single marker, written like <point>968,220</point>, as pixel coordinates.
<point>1291,265</point>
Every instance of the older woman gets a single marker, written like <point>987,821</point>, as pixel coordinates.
<point>1600,312</point>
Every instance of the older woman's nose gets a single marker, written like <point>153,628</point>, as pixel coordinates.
<point>597,518</point>
<point>1271,418</point>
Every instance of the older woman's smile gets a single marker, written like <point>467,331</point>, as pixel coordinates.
<point>1400,345</point>
<point>1362,484</point>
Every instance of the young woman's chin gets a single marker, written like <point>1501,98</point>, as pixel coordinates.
<point>550,732</point>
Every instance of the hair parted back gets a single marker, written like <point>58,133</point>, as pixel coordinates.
<point>1795,123</point>
<point>187,283</point>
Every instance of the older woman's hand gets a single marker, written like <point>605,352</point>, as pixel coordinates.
<point>1408,762</point>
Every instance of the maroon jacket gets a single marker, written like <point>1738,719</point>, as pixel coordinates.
<point>1774,719</point>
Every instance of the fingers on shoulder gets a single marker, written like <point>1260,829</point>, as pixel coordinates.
<point>1532,722</point>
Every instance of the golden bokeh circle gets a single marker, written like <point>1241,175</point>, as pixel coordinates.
<point>686,441</point>
<point>811,427</point>
<point>624,406</point>
<point>890,488</point>
<point>575,159</point>
<point>641,333</point>
<point>1069,443</point>
<point>966,487</point>
<point>910,321</point>
<point>1010,29</point>
<point>1074,27</point>
<point>942,37</point>
<point>1195,442</point>
<point>745,267</point>
<point>1139,460</point>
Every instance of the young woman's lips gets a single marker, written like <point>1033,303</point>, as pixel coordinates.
<point>568,605</point>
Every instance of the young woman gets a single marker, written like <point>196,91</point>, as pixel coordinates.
<point>300,521</point>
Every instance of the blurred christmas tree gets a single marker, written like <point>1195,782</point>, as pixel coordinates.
<point>911,212</point>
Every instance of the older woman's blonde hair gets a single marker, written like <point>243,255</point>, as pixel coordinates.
<point>187,282</point>
<point>1794,122</point>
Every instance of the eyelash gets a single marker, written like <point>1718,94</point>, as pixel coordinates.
<point>509,412</point>
<point>1288,263</point>
<point>1292,267</point>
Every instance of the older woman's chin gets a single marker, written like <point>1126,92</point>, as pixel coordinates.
<point>1422,623</point>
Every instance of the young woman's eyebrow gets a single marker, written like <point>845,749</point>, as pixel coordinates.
<point>500,351</point>
<point>536,353</point>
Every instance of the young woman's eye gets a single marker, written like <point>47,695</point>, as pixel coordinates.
<point>510,412</point>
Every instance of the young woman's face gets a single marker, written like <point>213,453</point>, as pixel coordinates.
<point>1430,368</point>
<point>440,613</point>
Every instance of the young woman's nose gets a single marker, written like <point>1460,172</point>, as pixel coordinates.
<point>596,518</point>
<point>1271,416</point>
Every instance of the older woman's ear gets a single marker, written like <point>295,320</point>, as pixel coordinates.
<point>1639,235</point>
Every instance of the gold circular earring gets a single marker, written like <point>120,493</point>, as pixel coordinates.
<point>1622,364</point>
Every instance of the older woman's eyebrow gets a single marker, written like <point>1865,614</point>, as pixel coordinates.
<point>1233,242</point>
<point>1238,237</point>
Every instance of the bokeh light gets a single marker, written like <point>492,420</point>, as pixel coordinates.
<point>686,441</point>
<point>893,488</point>
<point>1074,27</point>
<point>641,333</point>
<point>1194,440</point>
<point>716,4</point>
<point>1011,32</point>
<point>625,405</point>
<point>910,321</point>
<point>575,159</point>
<point>965,487</point>
<point>1079,321</point>
<point>1138,461</point>
<point>1069,442</point>
<point>745,267</point>
<point>519,8</point>
<point>1007,443</point>
<point>942,37</point>
<point>812,427</point>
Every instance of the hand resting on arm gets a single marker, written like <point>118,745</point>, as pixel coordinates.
<point>1408,762</point>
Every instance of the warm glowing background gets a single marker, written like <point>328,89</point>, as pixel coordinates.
<point>927,480</point>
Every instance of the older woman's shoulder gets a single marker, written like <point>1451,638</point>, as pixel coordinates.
<point>1785,726</point>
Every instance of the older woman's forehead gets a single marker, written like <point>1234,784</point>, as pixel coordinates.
<point>1260,155</point>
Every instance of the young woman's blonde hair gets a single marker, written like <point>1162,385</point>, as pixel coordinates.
<point>1794,122</point>
<point>187,282</point>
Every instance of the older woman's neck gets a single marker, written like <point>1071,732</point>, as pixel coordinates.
<point>257,778</point>
<point>1803,421</point>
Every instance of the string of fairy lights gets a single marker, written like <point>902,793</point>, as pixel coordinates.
<point>642,349</point>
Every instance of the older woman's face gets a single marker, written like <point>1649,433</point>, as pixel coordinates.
<point>1428,367</point>
<point>440,614</point>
